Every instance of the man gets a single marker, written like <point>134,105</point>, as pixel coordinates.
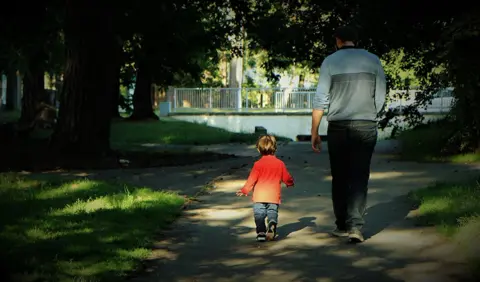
<point>352,85</point>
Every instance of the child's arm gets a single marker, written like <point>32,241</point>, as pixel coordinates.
<point>251,181</point>
<point>287,177</point>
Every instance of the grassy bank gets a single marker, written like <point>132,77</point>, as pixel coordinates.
<point>427,143</point>
<point>455,210</point>
<point>169,131</point>
<point>78,231</point>
<point>126,134</point>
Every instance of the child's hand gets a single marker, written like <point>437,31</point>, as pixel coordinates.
<point>240,193</point>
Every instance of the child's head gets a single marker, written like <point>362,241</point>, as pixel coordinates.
<point>267,145</point>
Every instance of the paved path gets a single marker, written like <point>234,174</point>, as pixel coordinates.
<point>214,241</point>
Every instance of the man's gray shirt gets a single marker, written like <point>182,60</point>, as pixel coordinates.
<point>351,85</point>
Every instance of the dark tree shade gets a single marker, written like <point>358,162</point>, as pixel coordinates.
<point>84,118</point>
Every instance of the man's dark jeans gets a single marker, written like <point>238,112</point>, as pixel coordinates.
<point>350,147</point>
<point>262,211</point>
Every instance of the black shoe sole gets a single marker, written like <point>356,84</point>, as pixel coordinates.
<point>355,239</point>
<point>271,232</point>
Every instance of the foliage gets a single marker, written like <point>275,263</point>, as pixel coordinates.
<point>436,141</point>
<point>440,46</point>
<point>80,230</point>
<point>28,31</point>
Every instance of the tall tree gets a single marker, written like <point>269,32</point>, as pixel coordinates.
<point>84,119</point>
<point>186,33</point>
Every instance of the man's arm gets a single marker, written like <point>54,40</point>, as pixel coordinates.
<point>320,101</point>
<point>380,88</point>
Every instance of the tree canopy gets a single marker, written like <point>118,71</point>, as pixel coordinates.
<point>96,45</point>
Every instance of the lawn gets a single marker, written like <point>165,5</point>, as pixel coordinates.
<point>78,231</point>
<point>170,131</point>
<point>130,134</point>
<point>455,210</point>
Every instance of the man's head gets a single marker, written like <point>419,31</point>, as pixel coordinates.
<point>345,35</point>
<point>267,145</point>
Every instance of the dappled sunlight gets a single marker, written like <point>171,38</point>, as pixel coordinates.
<point>427,244</point>
<point>67,188</point>
<point>80,230</point>
<point>214,215</point>
<point>388,175</point>
<point>350,253</point>
<point>369,262</point>
<point>392,174</point>
<point>259,260</point>
<point>229,185</point>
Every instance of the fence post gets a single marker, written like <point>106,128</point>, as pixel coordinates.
<point>239,99</point>
<point>441,103</point>
<point>210,98</point>
<point>174,106</point>
<point>246,99</point>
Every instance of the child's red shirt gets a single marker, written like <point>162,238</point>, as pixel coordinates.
<point>265,179</point>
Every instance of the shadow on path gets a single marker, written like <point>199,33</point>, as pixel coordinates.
<point>382,215</point>
<point>304,222</point>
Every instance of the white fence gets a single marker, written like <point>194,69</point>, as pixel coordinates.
<point>240,99</point>
<point>277,100</point>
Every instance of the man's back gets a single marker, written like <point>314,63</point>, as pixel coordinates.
<point>352,83</point>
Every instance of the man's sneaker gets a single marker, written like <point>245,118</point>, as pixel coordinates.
<point>271,231</point>
<point>261,237</point>
<point>355,236</point>
<point>339,233</point>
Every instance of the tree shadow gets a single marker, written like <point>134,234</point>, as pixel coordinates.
<point>287,229</point>
<point>382,215</point>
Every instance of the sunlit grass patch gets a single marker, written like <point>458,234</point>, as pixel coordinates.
<point>455,210</point>
<point>445,205</point>
<point>170,131</point>
<point>80,230</point>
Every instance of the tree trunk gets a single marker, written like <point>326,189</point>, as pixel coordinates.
<point>115,113</point>
<point>12,90</point>
<point>142,97</point>
<point>33,89</point>
<point>301,80</point>
<point>84,116</point>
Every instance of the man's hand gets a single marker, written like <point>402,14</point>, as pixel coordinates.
<point>316,143</point>
<point>240,193</point>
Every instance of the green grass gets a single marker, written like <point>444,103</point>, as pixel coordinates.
<point>455,210</point>
<point>447,205</point>
<point>130,134</point>
<point>9,116</point>
<point>170,131</point>
<point>425,143</point>
<point>80,230</point>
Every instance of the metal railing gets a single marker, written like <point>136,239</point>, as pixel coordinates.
<point>275,100</point>
<point>240,99</point>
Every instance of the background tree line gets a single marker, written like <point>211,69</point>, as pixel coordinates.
<point>99,46</point>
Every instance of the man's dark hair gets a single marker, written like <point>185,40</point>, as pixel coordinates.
<point>346,33</point>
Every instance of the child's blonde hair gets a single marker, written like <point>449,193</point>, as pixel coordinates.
<point>267,145</point>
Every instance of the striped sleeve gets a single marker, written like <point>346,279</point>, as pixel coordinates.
<point>320,100</point>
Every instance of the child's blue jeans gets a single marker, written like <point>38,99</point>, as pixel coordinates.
<point>262,211</point>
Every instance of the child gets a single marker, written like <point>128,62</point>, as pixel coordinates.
<point>265,179</point>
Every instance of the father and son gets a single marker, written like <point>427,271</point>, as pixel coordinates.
<point>352,87</point>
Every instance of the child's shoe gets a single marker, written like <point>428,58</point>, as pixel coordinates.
<point>271,231</point>
<point>261,237</point>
